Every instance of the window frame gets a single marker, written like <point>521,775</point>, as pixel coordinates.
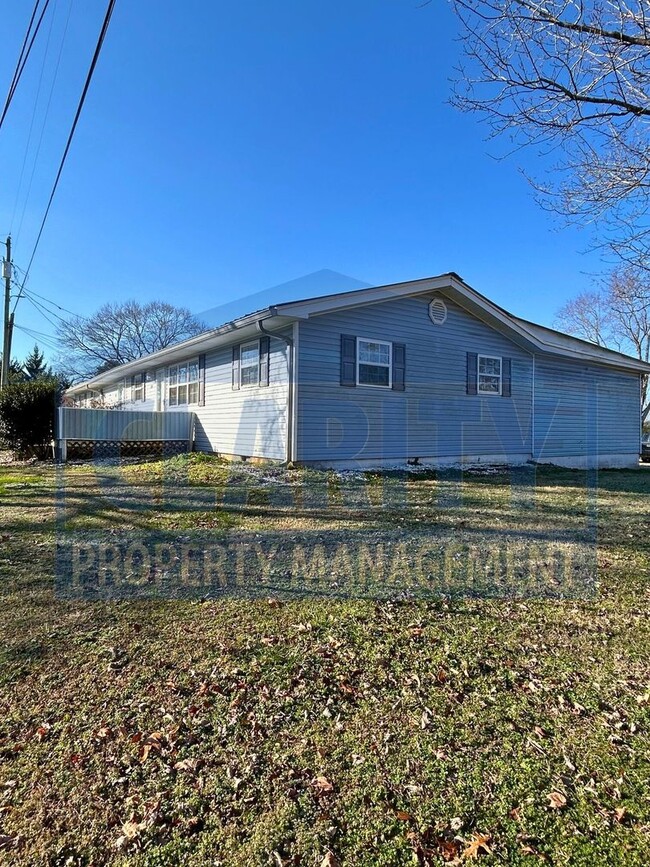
<point>138,387</point>
<point>187,384</point>
<point>387,343</point>
<point>479,390</point>
<point>242,347</point>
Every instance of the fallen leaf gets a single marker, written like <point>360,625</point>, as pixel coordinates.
<point>190,765</point>
<point>477,846</point>
<point>620,814</point>
<point>330,860</point>
<point>403,816</point>
<point>323,784</point>
<point>556,800</point>
<point>42,731</point>
<point>448,849</point>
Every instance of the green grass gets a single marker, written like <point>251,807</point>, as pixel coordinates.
<point>273,731</point>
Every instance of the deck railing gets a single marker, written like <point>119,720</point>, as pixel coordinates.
<point>120,426</point>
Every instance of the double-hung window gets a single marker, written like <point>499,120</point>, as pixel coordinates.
<point>489,375</point>
<point>138,387</point>
<point>374,362</point>
<point>183,383</point>
<point>249,364</point>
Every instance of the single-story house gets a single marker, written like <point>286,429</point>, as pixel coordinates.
<point>428,371</point>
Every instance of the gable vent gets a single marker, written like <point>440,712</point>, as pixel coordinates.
<point>438,311</point>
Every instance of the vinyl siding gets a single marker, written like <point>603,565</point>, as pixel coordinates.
<point>433,417</point>
<point>250,422</point>
<point>584,410</point>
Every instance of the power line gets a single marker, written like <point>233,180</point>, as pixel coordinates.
<point>54,304</point>
<point>33,118</point>
<point>91,70</point>
<point>43,311</point>
<point>45,117</point>
<point>23,57</point>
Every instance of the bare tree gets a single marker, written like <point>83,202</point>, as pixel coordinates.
<point>573,78</point>
<point>616,316</point>
<point>118,333</point>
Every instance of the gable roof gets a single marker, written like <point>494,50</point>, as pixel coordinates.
<point>535,338</point>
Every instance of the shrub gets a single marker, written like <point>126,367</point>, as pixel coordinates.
<point>27,416</point>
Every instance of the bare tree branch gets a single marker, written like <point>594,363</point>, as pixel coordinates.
<point>119,333</point>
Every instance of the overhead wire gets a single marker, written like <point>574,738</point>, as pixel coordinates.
<point>91,70</point>
<point>45,117</point>
<point>22,60</point>
<point>35,107</point>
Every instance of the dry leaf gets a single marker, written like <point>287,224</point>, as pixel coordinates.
<point>477,846</point>
<point>557,800</point>
<point>330,860</point>
<point>42,731</point>
<point>403,816</point>
<point>323,784</point>
<point>620,814</point>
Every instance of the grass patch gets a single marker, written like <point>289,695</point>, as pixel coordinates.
<point>271,731</point>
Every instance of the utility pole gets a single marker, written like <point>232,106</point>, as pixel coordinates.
<point>8,319</point>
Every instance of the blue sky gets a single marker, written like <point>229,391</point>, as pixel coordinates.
<point>225,148</point>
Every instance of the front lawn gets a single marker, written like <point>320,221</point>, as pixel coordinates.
<point>333,721</point>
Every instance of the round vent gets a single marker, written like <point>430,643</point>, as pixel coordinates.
<point>438,311</point>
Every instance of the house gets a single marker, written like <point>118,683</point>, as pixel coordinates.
<point>428,371</point>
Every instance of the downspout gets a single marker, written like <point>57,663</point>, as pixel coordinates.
<point>290,407</point>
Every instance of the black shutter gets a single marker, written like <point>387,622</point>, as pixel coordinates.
<point>506,377</point>
<point>472,368</point>
<point>265,346</point>
<point>235,367</point>
<point>348,360</point>
<point>399,366</point>
<point>201,380</point>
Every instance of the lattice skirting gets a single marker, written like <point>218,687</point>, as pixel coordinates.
<point>88,449</point>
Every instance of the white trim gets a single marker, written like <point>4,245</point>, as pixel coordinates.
<point>293,367</point>
<point>184,363</point>
<point>374,363</point>
<point>242,347</point>
<point>533,413</point>
<point>498,358</point>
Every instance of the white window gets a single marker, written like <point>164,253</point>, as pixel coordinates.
<point>374,359</point>
<point>249,364</point>
<point>489,375</point>
<point>183,383</point>
<point>120,391</point>
<point>138,387</point>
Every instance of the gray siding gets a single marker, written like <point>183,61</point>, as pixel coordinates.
<point>249,422</point>
<point>584,410</point>
<point>434,417</point>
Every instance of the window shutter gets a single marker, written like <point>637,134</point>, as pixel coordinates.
<point>472,368</point>
<point>348,360</point>
<point>235,367</point>
<point>399,366</point>
<point>265,346</point>
<point>201,380</point>
<point>506,377</point>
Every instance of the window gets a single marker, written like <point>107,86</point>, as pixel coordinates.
<point>138,387</point>
<point>489,375</point>
<point>120,391</point>
<point>374,363</point>
<point>249,370</point>
<point>184,383</point>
